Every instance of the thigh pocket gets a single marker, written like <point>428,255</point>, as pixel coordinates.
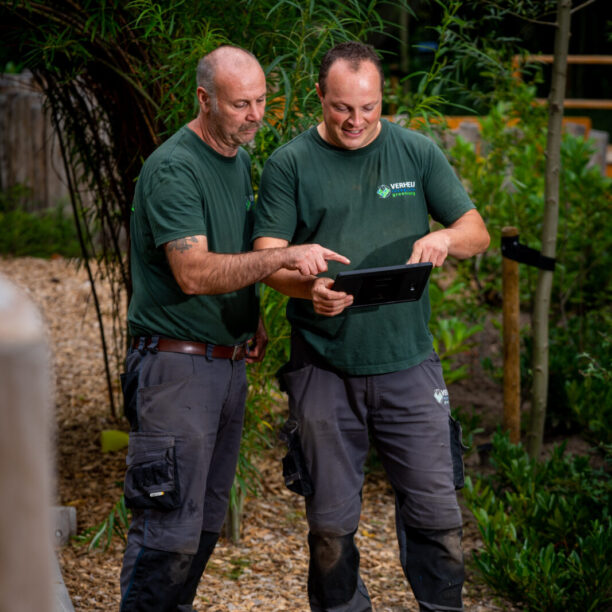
<point>457,449</point>
<point>151,479</point>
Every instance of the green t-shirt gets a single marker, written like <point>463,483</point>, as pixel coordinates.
<point>371,205</point>
<point>185,189</point>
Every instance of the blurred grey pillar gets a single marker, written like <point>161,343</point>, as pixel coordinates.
<point>26,472</point>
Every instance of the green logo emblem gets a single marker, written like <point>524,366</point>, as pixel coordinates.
<point>383,191</point>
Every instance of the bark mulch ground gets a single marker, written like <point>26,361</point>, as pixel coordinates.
<point>267,570</point>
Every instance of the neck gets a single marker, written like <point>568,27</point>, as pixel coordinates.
<point>201,127</point>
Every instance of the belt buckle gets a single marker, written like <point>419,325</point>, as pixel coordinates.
<point>235,351</point>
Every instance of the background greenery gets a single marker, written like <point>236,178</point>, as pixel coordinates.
<point>119,78</point>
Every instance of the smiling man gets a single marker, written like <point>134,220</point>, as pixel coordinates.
<point>367,188</point>
<point>193,319</point>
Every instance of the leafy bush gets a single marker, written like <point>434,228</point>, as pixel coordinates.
<point>41,234</point>
<point>451,313</point>
<point>504,175</point>
<point>590,396</point>
<point>546,529</point>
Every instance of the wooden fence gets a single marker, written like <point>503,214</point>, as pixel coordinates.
<point>29,148</point>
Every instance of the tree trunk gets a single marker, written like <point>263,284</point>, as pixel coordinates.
<point>549,231</point>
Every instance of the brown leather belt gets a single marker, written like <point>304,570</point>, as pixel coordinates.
<point>170,345</point>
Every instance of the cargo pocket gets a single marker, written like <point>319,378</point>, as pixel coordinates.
<point>457,449</point>
<point>129,387</point>
<point>151,479</point>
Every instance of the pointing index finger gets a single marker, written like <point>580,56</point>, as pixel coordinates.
<point>332,255</point>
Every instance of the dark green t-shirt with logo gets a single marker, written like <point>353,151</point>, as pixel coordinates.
<point>186,189</point>
<point>371,205</point>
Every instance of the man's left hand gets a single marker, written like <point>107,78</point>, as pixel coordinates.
<point>463,238</point>
<point>257,346</point>
<point>432,247</point>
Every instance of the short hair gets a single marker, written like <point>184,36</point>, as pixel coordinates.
<point>207,66</point>
<point>353,52</point>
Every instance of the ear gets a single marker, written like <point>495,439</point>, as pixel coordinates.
<point>319,92</point>
<point>203,98</point>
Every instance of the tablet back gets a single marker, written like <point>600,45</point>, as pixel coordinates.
<point>386,285</point>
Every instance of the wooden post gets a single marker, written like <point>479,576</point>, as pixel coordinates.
<point>26,570</point>
<point>512,372</point>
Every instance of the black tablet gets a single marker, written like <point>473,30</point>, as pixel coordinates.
<point>387,285</point>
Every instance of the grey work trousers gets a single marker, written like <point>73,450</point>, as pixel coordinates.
<point>407,416</point>
<point>186,413</point>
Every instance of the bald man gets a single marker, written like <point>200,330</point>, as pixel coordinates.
<point>194,323</point>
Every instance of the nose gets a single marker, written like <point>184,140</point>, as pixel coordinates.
<point>355,118</point>
<point>256,111</point>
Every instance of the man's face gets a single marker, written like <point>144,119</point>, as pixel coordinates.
<point>236,111</point>
<point>352,105</point>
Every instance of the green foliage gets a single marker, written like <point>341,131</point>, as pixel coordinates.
<point>546,529</point>
<point>115,525</point>
<point>505,178</point>
<point>579,393</point>
<point>39,234</point>
<point>423,93</point>
<point>470,427</point>
<point>451,334</point>
<point>504,175</point>
<point>289,40</point>
<point>589,394</point>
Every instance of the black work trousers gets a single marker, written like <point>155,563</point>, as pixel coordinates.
<point>407,416</point>
<point>186,413</point>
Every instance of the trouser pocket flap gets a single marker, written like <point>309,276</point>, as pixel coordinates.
<point>295,473</point>
<point>151,479</point>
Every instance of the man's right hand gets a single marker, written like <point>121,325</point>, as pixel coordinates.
<point>311,259</point>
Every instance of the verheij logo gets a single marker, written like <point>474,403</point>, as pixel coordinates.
<point>384,191</point>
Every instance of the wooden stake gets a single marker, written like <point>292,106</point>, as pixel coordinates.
<point>512,373</point>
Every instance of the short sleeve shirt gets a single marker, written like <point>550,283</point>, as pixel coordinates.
<point>370,204</point>
<point>186,189</point>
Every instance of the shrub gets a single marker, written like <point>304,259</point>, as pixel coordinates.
<point>546,529</point>
<point>39,234</point>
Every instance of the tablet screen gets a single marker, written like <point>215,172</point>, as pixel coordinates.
<point>386,285</point>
